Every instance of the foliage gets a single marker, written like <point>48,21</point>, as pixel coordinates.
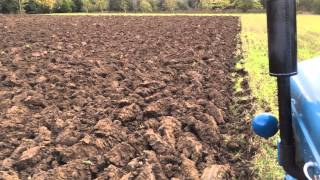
<point>220,4</point>
<point>170,5</point>
<point>114,5</point>
<point>9,6</point>
<point>94,5</point>
<point>309,5</point>
<point>316,7</point>
<point>145,6</point>
<point>63,6</point>
<point>205,4</point>
<point>134,5</point>
<point>102,5</point>
<point>120,5</point>
<point>30,6</point>
<point>182,5</point>
<point>245,5</point>
<point>77,6</point>
<point>156,4</point>
<point>46,6</point>
<point>86,5</point>
<point>193,3</point>
<point>305,5</point>
<point>124,5</point>
<point>263,3</point>
<point>39,6</point>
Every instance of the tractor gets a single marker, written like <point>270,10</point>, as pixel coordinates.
<point>298,96</point>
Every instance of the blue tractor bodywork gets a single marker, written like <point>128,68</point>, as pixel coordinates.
<point>305,91</point>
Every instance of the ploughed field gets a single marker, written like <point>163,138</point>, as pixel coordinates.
<point>119,98</point>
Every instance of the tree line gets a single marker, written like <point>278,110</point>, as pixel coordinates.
<point>64,6</point>
<point>61,6</point>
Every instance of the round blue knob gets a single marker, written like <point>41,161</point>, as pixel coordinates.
<point>265,125</point>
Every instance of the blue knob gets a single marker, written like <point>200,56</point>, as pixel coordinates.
<point>265,125</point>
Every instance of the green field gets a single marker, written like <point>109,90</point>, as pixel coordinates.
<point>254,44</point>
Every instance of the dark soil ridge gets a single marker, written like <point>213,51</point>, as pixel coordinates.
<point>238,132</point>
<point>121,98</point>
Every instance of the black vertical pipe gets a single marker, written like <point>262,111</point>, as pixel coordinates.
<point>287,144</point>
<point>282,37</point>
<point>284,101</point>
<point>282,43</point>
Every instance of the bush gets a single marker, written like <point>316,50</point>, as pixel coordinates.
<point>77,6</point>
<point>170,5</point>
<point>39,6</point>
<point>205,4</point>
<point>193,3</point>
<point>309,5</point>
<point>316,6</point>
<point>63,6</point>
<point>305,5</point>
<point>183,5</point>
<point>9,6</point>
<point>114,5</point>
<point>124,5</point>
<point>155,4</point>
<point>245,5</point>
<point>102,5</point>
<point>120,5</point>
<point>220,4</point>
<point>87,6</point>
<point>31,6</point>
<point>145,6</point>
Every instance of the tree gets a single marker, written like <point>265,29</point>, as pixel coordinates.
<point>155,4</point>
<point>114,5</point>
<point>263,3</point>
<point>316,6</point>
<point>102,5</point>
<point>193,3</point>
<point>145,6</point>
<point>305,5</point>
<point>220,4</point>
<point>20,6</point>
<point>63,6</point>
<point>205,4</point>
<point>9,6</point>
<point>46,5</point>
<point>245,5</point>
<point>124,5</point>
<point>31,6</point>
<point>309,5</point>
<point>86,5</point>
<point>182,5</point>
<point>77,6</point>
<point>39,6</point>
<point>170,5</point>
<point>134,5</point>
<point>120,5</point>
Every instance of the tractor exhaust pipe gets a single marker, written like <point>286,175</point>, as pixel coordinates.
<point>282,37</point>
<point>282,42</point>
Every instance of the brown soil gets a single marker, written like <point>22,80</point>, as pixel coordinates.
<point>120,98</point>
